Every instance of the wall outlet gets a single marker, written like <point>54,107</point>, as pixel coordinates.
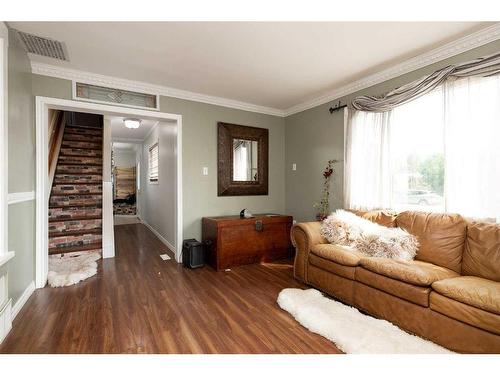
<point>205,171</point>
<point>294,167</point>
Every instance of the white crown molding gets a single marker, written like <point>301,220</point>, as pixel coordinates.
<point>466,43</point>
<point>125,84</point>
<point>20,197</point>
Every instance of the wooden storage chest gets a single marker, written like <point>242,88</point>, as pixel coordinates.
<point>232,241</point>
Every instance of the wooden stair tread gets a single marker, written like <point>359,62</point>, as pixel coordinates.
<point>79,173</point>
<point>87,204</point>
<point>73,131</point>
<point>67,148</point>
<point>74,249</point>
<point>92,140</point>
<point>79,232</point>
<point>76,183</point>
<point>61,163</point>
<point>96,158</point>
<point>74,218</point>
<point>76,126</point>
<point>80,147</point>
<point>73,193</point>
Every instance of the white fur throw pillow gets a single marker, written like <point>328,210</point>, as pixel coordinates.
<point>345,228</point>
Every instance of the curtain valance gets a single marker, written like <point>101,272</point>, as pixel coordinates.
<point>483,66</point>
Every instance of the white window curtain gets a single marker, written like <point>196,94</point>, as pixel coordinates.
<point>439,152</point>
<point>367,178</point>
<point>472,146</point>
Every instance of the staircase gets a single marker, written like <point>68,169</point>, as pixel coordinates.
<point>75,203</point>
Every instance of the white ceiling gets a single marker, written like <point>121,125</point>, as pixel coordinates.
<point>119,131</point>
<point>271,64</point>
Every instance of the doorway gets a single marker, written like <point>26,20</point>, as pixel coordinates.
<point>43,104</point>
<point>125,180</point>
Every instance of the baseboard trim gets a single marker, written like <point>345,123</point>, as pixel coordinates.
<point>5,319</point>
<point>108,251</point>
<point>160,237</point>
<point>23,299</point>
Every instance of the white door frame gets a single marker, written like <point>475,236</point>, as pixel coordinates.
<point>4,134</point>
<point>43,104</point>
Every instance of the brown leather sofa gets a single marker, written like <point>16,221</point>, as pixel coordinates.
<point>449,294</point>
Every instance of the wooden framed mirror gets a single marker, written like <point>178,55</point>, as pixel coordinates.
<point>242,160</point>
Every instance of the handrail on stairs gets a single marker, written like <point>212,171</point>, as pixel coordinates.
<point>57,123</point>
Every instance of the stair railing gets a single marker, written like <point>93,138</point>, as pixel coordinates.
<point>57,123</point>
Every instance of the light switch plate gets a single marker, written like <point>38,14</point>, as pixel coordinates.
<point>294,167</point>
<point>205,171</point>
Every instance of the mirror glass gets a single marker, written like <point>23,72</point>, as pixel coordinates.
<point>245,160</point>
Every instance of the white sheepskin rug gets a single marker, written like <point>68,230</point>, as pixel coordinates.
<point>351,331</point>
<point>72,268</point>
<point>345,228</point>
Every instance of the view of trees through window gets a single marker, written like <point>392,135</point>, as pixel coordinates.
<point>429,172</point>
<point>417,148</point>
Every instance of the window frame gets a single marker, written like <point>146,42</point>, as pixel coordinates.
<point>156,145</point>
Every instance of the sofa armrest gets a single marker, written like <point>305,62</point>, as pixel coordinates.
<point>304,235</point>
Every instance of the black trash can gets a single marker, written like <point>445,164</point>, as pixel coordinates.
<point>193,253</point>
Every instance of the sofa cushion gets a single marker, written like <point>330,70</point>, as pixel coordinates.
<point>331,266</point>
<point>413,272</point>
<point>409,292</point>
<point>482,251</point>
<point>382,217</point>
<point>337,253</point>
<point>468,314</point>
<point>441,237</point>
<point>475,291</point>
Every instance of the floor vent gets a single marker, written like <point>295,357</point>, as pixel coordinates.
<point>43,46</point>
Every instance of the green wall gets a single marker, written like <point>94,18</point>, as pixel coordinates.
<point>308,138</point>
<point>21,216</point>
<point>199,149</point>
<point>314,136</point>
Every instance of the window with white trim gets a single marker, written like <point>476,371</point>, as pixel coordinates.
<point>153,163</point>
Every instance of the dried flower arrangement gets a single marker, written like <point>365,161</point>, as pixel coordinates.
<point>323,206</point>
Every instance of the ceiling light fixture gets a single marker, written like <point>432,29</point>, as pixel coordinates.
<point>132,123</point>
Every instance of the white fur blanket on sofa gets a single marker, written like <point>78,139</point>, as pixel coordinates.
<point>345,228</point>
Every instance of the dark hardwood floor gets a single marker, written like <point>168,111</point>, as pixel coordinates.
<point>138,303</point>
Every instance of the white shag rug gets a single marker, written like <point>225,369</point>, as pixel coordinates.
<point>351,331</point>
<point>72,268</point>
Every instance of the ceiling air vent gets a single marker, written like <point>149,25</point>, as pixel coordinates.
<point>43,46</point>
